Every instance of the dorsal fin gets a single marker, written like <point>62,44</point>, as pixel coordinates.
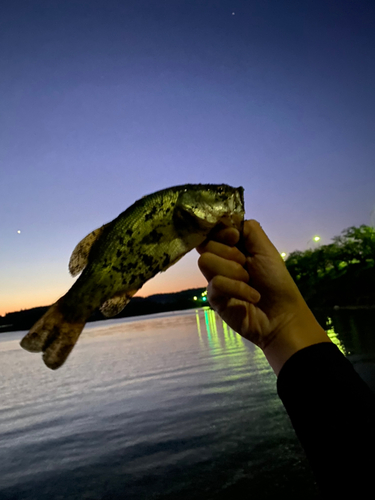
<point>79,257</point>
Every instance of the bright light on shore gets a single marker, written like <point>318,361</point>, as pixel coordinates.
<point>315,239</point>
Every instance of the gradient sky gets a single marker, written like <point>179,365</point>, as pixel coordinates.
<point>102,102</point>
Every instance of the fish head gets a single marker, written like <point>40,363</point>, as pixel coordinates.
<point>207,205</point>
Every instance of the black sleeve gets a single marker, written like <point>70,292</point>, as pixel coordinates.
<point>333,413</point>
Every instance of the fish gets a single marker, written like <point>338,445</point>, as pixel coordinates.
<point>117,259</point>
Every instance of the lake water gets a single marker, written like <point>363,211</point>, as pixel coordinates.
<point>171,406</point>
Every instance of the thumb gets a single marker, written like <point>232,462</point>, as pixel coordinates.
<point>255,239</point>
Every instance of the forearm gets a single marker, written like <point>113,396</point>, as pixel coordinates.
<point>333,413</point>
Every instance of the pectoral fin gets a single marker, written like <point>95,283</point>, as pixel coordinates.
<point>79,257</point>
<point>116,304</point>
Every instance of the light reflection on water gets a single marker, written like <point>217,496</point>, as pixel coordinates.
<point>218,334</point>
<point>353,329</point>
<point>332,334</point>
<point>169,405</point>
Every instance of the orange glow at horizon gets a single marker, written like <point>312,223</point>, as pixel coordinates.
<point>22,301</point>
<point>182,276</point>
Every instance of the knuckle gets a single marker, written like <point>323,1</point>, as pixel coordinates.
<point>242,287</point>
<point>240,273</point>
<point>204,260</point>
<point>233,253</point>
<point>216,282</point>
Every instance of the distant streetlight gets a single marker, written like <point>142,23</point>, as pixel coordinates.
<point>283,255</point>
<point>315,239</point>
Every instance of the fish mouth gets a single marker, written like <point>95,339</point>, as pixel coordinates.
<point>240,194</point>
<point>233,220</point>
<point>236,210</point>
<point>237,221</point>
<point>238,214</point>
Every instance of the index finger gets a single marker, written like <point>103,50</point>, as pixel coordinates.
<point>228,235</point>
<point>224,251</point>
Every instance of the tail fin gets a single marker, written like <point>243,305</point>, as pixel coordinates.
<point>54,336</point>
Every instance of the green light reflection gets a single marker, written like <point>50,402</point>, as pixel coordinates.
<point>334,337</point>
<point>233,358</point>
<point>198,325</point>
<point>225,345</point>
<point>207,322</point>
<point>219,334</point>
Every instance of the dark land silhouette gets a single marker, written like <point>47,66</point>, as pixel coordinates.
<point>163,302</point>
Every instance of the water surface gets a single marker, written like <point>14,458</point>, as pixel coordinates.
<point>167,406</point>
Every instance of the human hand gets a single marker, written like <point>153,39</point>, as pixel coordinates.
<point>255,294</point>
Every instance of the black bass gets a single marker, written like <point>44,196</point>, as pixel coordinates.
<point>119,257</point>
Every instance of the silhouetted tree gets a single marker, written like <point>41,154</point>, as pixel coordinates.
<point>357,244</point>
<point>341,271</point>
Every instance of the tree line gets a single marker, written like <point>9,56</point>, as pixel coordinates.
<point>342,271</point>
<point>162,302</point>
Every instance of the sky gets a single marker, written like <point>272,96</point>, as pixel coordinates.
<point>103,102</point>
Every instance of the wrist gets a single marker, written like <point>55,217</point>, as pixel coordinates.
<point>297,332</point>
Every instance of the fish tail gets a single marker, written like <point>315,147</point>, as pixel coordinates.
<point>54,335</point>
